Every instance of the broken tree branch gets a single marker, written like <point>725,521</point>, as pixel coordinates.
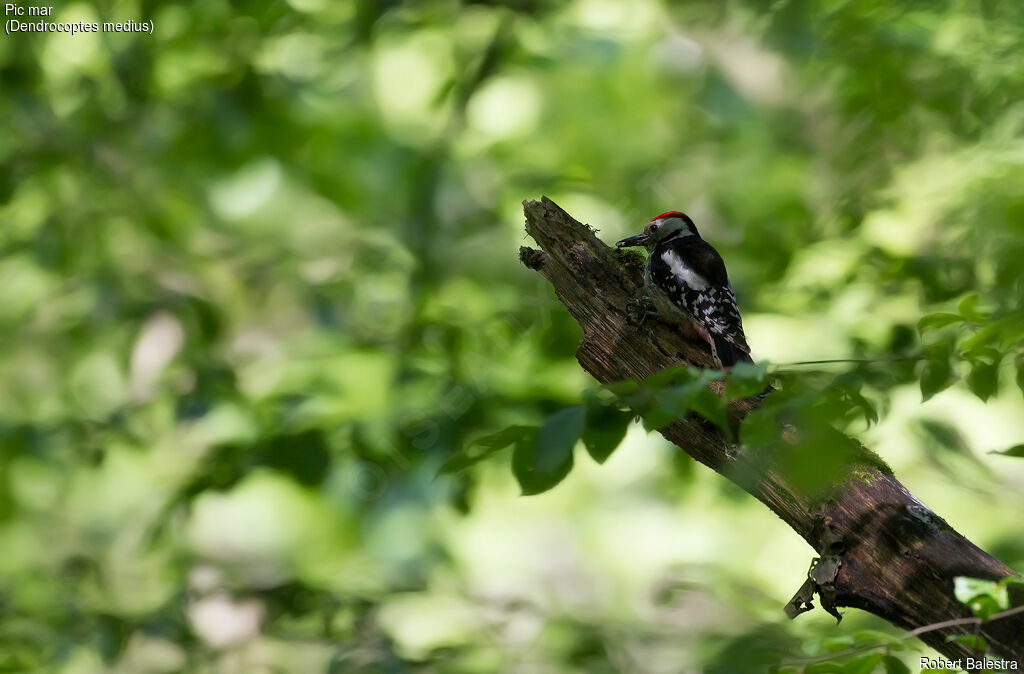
<point>881,549</point>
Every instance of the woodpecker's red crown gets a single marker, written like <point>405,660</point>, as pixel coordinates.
<point>665,227</point>
<point>671,214</point>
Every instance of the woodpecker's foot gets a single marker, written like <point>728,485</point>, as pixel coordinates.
<point>653,315</point>
<point>638,311</point>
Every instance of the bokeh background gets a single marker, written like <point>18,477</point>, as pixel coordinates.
<point>259,281</point>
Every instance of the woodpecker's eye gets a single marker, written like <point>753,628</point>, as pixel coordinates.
<point>654,228</point>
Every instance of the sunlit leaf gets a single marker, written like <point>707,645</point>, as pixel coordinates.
<point>938,320</point>
<point>969,640</point>
<point>982,342</point>
<point>983,597</point>
<point>968,307</point>
<point>863,664</point>
<point>836,644</point>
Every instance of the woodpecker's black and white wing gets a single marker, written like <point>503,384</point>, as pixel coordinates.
<point>692,276</point>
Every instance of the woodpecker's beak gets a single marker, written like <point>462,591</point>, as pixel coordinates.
<point>638,240</point>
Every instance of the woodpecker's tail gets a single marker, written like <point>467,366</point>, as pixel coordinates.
<point>729,354</point>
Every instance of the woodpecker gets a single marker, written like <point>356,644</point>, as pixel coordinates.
<point>686,279</point>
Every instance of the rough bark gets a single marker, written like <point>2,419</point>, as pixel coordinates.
<point>896,558</point>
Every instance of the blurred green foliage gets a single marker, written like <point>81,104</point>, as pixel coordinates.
<point>259,286</point>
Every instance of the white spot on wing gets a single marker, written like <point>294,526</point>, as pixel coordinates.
<point>683,273</point>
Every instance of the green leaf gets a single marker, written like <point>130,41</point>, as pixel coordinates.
<point>1020,373</point>
<point>605,428</point>
<point>760,428</point>
<point>540,465</point>
<point>506,437</point>
<point>894,665</point>
<point>677,403</point>
<point>710,406</point>
<point>656,419</point>
<point>864,664</point>
<point>984,377</point>
<point>865,407</point>
<point>945,436</point>
<point>671,377</point>
<point>558,436</point>
<point>936,321</point>
<point>491,444</point>
<point>937,374</point>
<point>983,597</point>
<point>669,404</point>
<point>837,644</point>
<point>825,668</point>
<point>1016,451</point>
<point>981,341</point>
<point>875,637</point>
<point>969,640</point>
<point>968,308</point>
<point>746,379</point>
<point>622,388</point>
<point>935,377</point>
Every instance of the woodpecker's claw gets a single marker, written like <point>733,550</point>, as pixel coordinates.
<point>639,310</point>
<point>643,319</point>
